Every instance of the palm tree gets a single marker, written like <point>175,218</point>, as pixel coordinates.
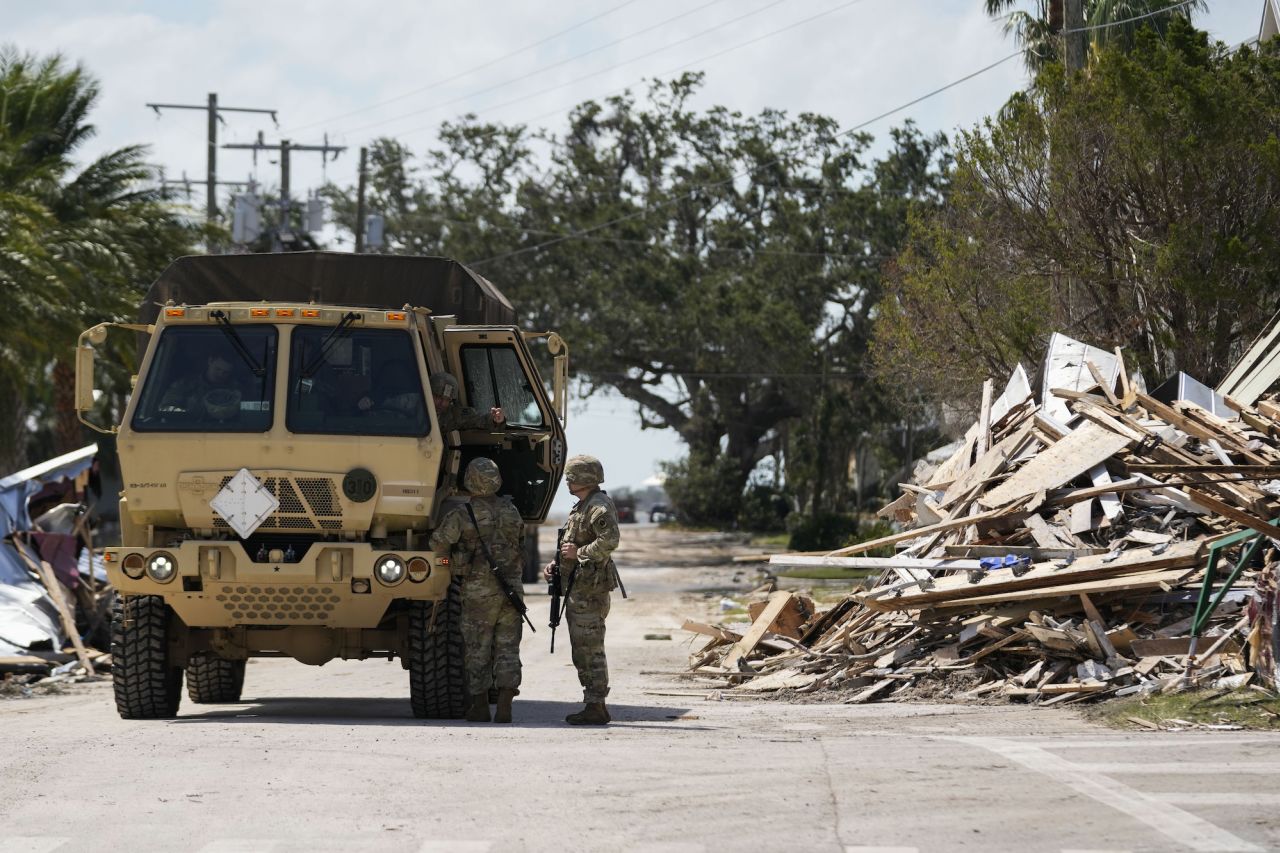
<point>77,243</point>
<point>1110,22</point>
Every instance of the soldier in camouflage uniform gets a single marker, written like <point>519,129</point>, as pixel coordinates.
<point>491,627</point>
<point>589,575</point>
<point>451,415</point>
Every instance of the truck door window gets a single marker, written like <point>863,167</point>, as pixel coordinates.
<point>495,377</point>
<point>362,382</point>
<point>200,381</point>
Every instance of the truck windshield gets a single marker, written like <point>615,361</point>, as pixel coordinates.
<point>200,381</point>
<point>361,382</point>
<point>494,377</point>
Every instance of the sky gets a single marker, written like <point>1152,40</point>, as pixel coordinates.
<point>351,72</point>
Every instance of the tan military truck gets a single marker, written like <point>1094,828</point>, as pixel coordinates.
<point>283,466</point>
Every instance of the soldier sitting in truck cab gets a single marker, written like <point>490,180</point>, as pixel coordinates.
<point>216,391</point>
<point>453,415</point>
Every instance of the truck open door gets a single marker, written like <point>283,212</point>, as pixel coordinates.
<point>495,368</point>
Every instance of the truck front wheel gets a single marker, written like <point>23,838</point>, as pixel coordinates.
<point>147,687</point>
<point>212,680</point>
<point>437,674</point>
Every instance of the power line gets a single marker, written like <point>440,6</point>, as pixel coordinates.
<point>1166,10</point>
<point>459,75</point>
<point>686,65</point>
<point>846,132</point>
<point>544,69</point>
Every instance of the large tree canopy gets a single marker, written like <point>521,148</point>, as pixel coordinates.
<point>78,243</point>
<point>1135,206</point>
<point>719,270</point>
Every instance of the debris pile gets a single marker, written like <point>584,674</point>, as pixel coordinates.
<point>1103,541</point>
<point>55,602</point>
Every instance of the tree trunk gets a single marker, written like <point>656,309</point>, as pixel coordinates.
<point>13,428</point>
<point>68,434</point>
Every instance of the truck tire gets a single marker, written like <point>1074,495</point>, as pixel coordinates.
<point>437,674</point>
<point>147,687</point>
<point>212,680</point>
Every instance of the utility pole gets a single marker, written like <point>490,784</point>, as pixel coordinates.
<point>360,188</point>
<point>285,148</point>
<point>214,113</point>
<point>1074,33</point>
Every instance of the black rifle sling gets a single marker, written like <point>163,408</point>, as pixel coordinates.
<point>514,599</point>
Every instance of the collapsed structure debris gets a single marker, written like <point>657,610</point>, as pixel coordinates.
<point>55,602</point>
<point>1099,541</point>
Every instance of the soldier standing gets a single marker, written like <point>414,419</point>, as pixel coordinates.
<point>486,532</point>
<point>590,537</point>
<point>452,415</point>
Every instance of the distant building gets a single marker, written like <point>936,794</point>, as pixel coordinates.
<point>1270,19</point>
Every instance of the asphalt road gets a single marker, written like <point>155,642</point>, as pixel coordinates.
<point>330,759</point>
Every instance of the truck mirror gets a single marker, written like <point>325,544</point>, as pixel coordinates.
<point>84,378</point>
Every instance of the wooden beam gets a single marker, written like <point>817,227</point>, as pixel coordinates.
<point>923,531</point>
<point>1061,463</point>
<point>777,601</point>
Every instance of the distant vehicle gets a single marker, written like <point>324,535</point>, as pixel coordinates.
<point>626,507</point>
<point>659,513</point>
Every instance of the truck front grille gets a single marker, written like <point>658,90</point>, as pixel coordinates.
<point>257,603</point>
<point>322,510</point>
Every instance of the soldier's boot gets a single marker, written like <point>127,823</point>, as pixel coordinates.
<point>594,714</point>
<point>502,713</point>
<point>478,710</point>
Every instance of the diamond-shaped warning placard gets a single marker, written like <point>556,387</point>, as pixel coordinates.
<point>245,503</point>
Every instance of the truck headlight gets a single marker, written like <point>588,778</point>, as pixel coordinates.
<point>133,566</point>
<point>389,569</point>
<point>161,567</point>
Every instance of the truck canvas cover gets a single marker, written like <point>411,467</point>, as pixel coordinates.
<point>332,278</point>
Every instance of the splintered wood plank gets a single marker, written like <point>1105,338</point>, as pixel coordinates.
<point>1124,583</point>
<point>1058,464</point>
<point>1044,534</point>
<point>1238,516</point>
<point>777,601</point>
<point>722,634</point>
<point>991,463</point>
<point>871,544</point>
<point>1179,555</point>
<point>51,585</point>
<point>984,419</point>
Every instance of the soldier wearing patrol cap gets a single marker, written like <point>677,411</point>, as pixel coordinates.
<point>485,534</point>
<point>590,537</point>
<point>451,414</point>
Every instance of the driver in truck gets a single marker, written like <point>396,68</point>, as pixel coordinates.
<point>192,393</point>
<point>444,390</point>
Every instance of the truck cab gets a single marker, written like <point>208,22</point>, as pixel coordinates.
<point>284,465</point>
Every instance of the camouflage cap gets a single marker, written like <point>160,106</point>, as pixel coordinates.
<point>584,470</point>
<point>444,385</point>
<point>482,477</point>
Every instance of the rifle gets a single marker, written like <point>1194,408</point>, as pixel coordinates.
<point>515,600</point>
<point>555,590</point>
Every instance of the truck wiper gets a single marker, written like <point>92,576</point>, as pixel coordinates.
<point>330,340</point>
<point>236,341</point>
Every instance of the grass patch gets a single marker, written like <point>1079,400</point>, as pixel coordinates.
<point>1252,709</point>
<point>827,573</point>
<point>777,541</point>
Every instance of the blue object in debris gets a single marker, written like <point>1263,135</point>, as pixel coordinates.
<point>1008,561</point>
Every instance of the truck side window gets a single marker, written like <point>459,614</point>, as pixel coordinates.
<point>200,381</point>
<point>495,377</point>
<point>361,382</point>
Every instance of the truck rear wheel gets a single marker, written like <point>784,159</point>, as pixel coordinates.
<point>147,687</point>
<point>212,680</point>
<point>437,673</point>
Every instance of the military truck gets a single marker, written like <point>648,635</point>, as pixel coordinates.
<point>283,466</point>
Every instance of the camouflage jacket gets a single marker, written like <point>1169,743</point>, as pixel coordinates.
<point>593,526</point>
<point>503,530</point>
<point>463,417</point>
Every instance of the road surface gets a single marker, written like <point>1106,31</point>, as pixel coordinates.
<point>330,759</point>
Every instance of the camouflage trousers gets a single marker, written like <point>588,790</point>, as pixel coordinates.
<point>491,630</point>
<point>586,613</point>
